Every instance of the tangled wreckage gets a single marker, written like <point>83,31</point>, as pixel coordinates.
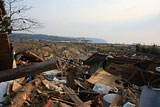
<point>99,81</point>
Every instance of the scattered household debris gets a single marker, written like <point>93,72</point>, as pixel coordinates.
<point>70,82</point>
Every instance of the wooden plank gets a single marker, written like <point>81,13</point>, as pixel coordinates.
<point>87,104</point>
<point>133,74</point>
<point>70,78</point>
<point>4,41</point>
<point>20,80</point>
<point>64,101</point>
<point>103,77</point>
<point>6,61</point>
<point>8,89</point>
<point>33,57</point>
<point>74,97</point>
<point>11,74</point>
<point>25,92</point>
<point>15,86</point>
<point>4,47</point>
<point>51,85</point>
<point>5,51</point>
<point>89,92</point>
<point>3,38</point>
<point>3,35</point>
<point>6,54</point>
<point>64,105</point>
<point>79,84</point>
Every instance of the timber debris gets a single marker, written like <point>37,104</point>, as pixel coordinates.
<point>66,82</point>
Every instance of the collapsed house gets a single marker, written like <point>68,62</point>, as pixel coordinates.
<point>127,68</point>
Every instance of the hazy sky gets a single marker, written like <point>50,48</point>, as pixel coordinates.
<point>117,21</point>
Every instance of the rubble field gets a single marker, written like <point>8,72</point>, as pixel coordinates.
<point>58,74</point>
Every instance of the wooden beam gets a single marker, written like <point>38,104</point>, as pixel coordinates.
<point>132,75</point>
<point>70,78</point>
<point>11,74</point>
<point>75,98</point>
<point>51,85</point>
<point>89,92</point>
<point>143,78</point>
<point>25,92</point>
<point>8,89</point>
<point>64,101</point>
<point>33,57</point>
<point>15,86</point>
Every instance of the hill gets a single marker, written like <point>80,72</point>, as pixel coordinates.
<point>44,37</point>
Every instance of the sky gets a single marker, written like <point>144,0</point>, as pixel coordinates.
<point>116,21</point>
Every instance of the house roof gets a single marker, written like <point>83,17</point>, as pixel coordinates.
<point>97,57</point>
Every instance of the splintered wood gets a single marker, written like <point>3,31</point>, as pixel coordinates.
<point>33,57</point>
<point>51,85</point>
<point>69,87</point>
<point>103,77</point>
<point>75,98</point>
<point>16,86</point>
<point>24,92</point>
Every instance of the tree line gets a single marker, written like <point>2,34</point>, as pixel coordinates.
<point>153,49</point>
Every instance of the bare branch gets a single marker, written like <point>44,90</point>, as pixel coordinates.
<point>15,21</point>
<point>25,8</point>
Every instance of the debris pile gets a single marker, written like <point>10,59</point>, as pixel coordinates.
<point>100,81</point>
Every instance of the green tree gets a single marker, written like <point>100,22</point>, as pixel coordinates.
<point>138,47</point>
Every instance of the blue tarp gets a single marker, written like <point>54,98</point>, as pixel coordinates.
<point>149,97</point>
